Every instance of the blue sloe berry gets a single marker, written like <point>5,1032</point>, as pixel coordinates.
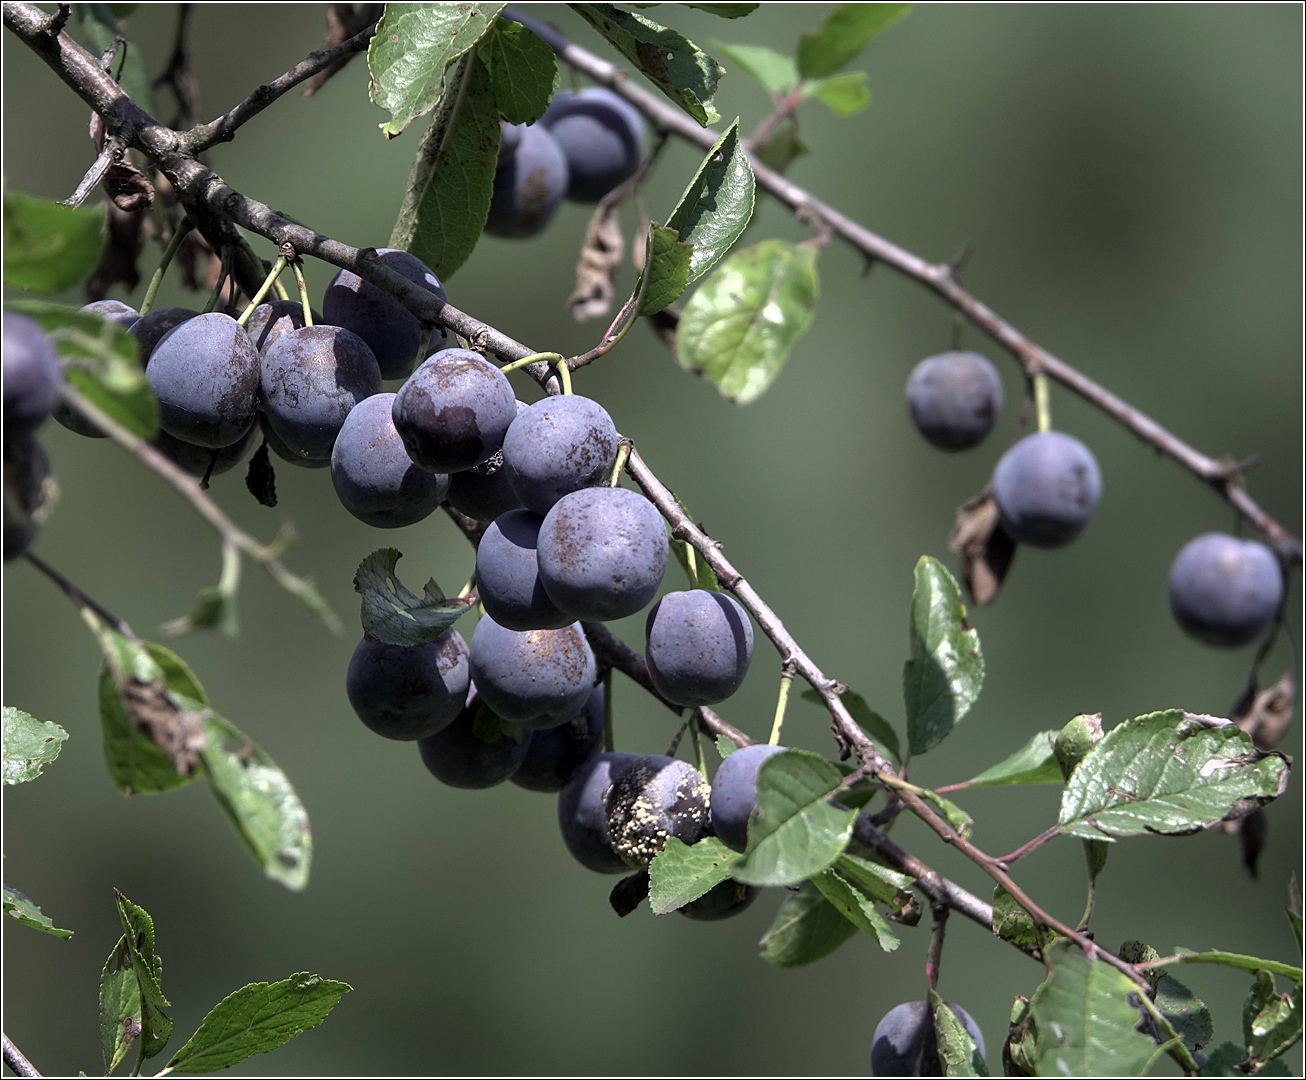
<point>537,678</point>
<point>530,182</point>
<point>114,311</point>
<point>1046,488</point>
<point>700,644</point>
<point>408,691</point>
<point>557,753</point>
<point>602,553</point>
<point>483,492</point>
<point>149,329</point>
<point>284,452</point>
<point>507,575</point>
<point>462,755</point>
<point>905,1043</point>
<point>652,800</point>
<point>28,497</point>
<point>196,459</point>
<point>734,793</point>
<point>557,446</point>
<point>954,398</point>
<point>1223,590</point>
<point>454,411</point>
<point>372,473</point>
<point>32,375</point>
<point>724,900</point>
<point>205,373</point>
<point>273,318</point>
<point>600,134</point>
<point>582,816</point>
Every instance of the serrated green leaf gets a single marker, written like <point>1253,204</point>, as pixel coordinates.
<point>1013,923</point>
<point>260,803</point>
<point>666,266</point>
<point>875,725</point>
<point>523,71</point>
<point>121,1013</point>
<point>1187,1013</point>
<point>1162,773</point>
<point>958,1054</point>
<point>680,873</point>
<point>102,360</point>
<point>413,48</point>
<point>806,928</point>
<point>725,747</point>
<point>778,74</point>
<point>855,906</point>
<point>1085,1021</point>
<point>843,35</point>
<point>717,204</point>
<point>1272,1021</point>
<point>23,908</point>
<point>96,27</point>
<point>876,880</point>
<point>395,615</point>
<point>846,95</point>
<point>448,194</point>
<point>737,330</point>
<point>945,669</point>
<point>793,831</point>
<point>49,247</point>
<point>29,744</point>
<point>1033,763</point>
<point>674,64</point>
<point>258,1018</point>
<point>138,932</point>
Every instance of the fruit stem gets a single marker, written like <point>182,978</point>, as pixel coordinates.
<point>179,234</point>
<point>224,273</point>
<point>263,290</point>
<point>534,358</point>
<point>303,293</point>
<point>1041,408</point>
<point>280,290</point>
<point>623,452</point>
<point>698,743</point>
<point>609,740</point>
<point>786,681</point>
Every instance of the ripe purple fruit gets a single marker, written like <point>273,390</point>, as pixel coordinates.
<point>284,452</point>
<point>654,799</point>
<point>556,754</point>
<point>28,493</point>
<point>699,646</point>
<point>1046,488</point>
<point>724,900</point>
<point>205,373</point>
<point>197,459</point>
<point>483,492</point>
<point>582,816</point>
<point>557,446</point>
<point>373,475</point>
<point>392,332</point>
<point>530,182</point>
<point>905,1043</point>
<point>274,318</point>
<point>32,375</point>
<point>460,756</point>
<point>1225,591</point>
<point>536,678</point>
<point>507,575</point>
<point>600,134</point>
<point>408,692</point>
<point>149,329</point>
<point>454,411</point>
<point>734,794</point>
<point>954,398</point>
<point>114,311</point>
<point>312,378</point>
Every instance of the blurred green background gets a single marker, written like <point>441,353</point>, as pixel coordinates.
<point>1131,180</point>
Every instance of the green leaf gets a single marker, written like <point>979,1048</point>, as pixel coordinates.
<point>783,146</point>
<point>448,194</point>
<point>413,47</point>
<point>260,803</point>
<point>875,725</point>
<point>121,1014</point>
<point>876,880</point>
<point>1187,1013</point>
<point>23,909</point>
<point>29,743</point>
<point>49,247</point>
<point>1271,1020</point>
<point>717,204</point>
<point>258,1018</point>
<point>1013,923</point>
<point>102,360</point>
<point>97,33</point>
<point>737,330</point>
<point>395,615</point>
<point>726,11</point>
<point>680,873</point>
<point>1033,763</point>
<point>522,69</point>
<point>778,74</point>
<point>806,928</point>
<point>1224,1059</point>
<point>952,813</point>
<point>855,906</point>
<point>846,95</point>
<point>945,670</point>
<point>666,266</point>
<point>794,832</point>
<point>1167,773</point>
<point>138,931</point>
<point>1293,910</point>
<point>958,1053</point>
<point>725,747</point>
<point>1085,1021</point>
<point>843,35</point>
<point>1251,964</point>
<point>674,64</point>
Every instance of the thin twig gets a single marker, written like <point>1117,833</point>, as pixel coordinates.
<point>14,1057</point>
<point>80,598</point>
<point>1032,845</point>
<point>95,173</point>
<point>934,954</point>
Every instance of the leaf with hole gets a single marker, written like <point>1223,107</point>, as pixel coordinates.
<point>29,745</point>
<point>393,613</point>
<point>717,204</point>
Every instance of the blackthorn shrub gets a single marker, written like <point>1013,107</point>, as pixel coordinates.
<point>734,793</point>
<point>654,799</point>
<point>699,646</point>
<point>600,134</point>
<point>205,373</point>
<point>1046,488</point>
<point>556,754</point>
<point>463,756</point>
<point>904,1043</point>
<point>529,183</point>
<point>32,375</point>
<point>557,446</point>
<point>408,692</point>
<point>954,398</point>
<point>536,678</point>
<point>582,815</point>
<point>1223,590</point>
<point>372,473</point>
<point>507,575</point>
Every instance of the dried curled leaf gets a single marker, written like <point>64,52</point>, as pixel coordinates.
<point>600,255</point>
<point>179,733</point>
<point>128,235</point>
<point>1265,714</point>
<point>343,22</point>
<point>128,188</point>
<point>985,548</point>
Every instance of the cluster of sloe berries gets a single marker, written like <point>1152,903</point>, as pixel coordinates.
<point>586,143</point>
<point>1223,590</point>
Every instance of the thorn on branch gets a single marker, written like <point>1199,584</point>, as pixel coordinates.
<point>960,260</point>
<point>55,24</point>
